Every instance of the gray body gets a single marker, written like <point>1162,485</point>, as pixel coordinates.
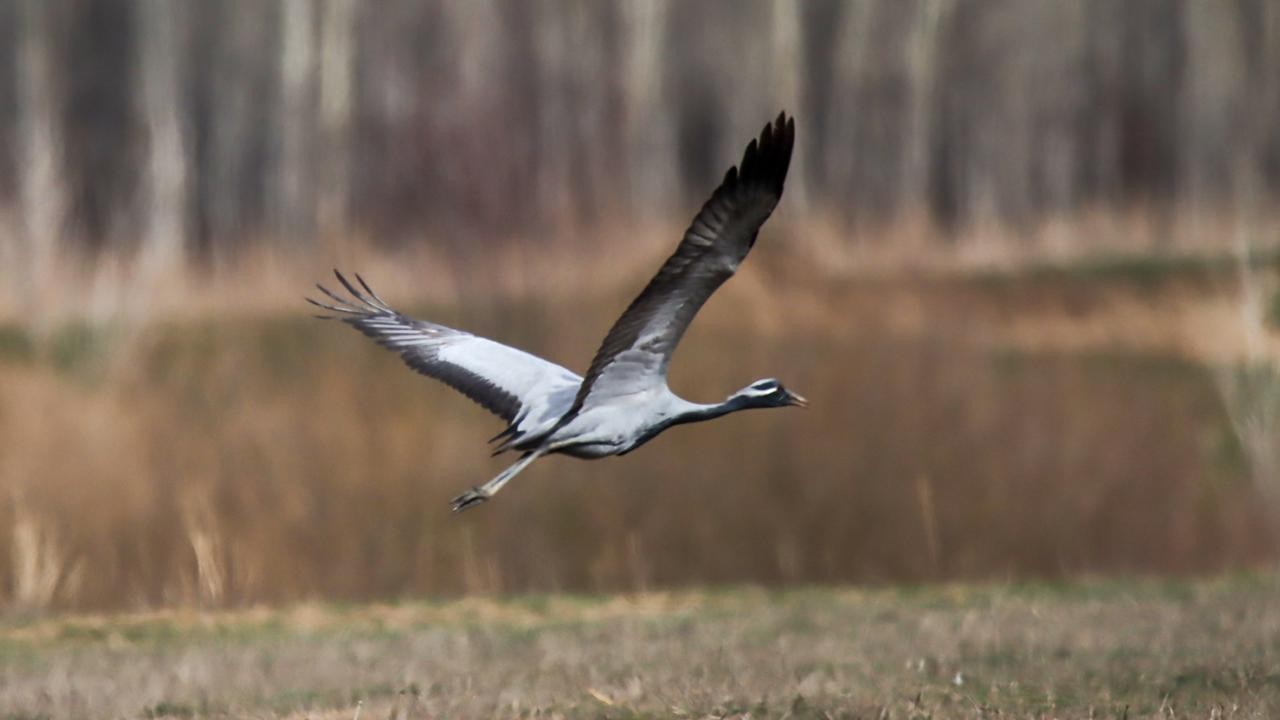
<point>627,424</point>
<point>623,400</point>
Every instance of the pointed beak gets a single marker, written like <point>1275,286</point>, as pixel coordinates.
<point>798,401</point>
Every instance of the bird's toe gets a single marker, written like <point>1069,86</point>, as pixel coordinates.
<point>474,496</point>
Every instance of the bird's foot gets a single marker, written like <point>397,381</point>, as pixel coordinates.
<point>470,498</point>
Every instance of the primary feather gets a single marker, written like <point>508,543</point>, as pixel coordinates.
<point>512,384</point>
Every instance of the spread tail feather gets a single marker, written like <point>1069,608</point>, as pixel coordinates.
<point>477,495</point>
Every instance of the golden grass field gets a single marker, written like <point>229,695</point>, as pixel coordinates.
<point>1033,422</point>
<point>221,507</point>
<point>1086,649</point>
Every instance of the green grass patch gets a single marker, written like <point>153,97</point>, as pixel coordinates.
<point>956,650</point>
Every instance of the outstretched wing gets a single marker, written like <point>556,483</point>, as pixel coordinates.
<point>635,354</point>
<point>507,382</point>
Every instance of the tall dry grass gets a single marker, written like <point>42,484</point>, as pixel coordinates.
<point>228,458</point>
<point>1250,383</point>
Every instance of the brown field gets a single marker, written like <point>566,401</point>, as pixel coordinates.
<point>1104,649</point>
<point>965,424</point>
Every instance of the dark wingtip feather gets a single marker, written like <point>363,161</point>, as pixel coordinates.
<point>767,159</point>
<point>378,300</point>
<point>750,155</point>
<point>350,288</point>
<point>373,303</point>
<point>509,431</point>
<point>341,307</point>
<point>344,305</point>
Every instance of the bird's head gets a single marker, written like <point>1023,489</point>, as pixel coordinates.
<point>768,393</point>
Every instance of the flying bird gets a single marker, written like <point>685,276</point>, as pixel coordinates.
<point>623,400</point>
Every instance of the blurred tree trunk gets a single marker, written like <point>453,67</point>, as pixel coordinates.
<point>479,134</point>
<point>647,118</point>
<point>236,123</point>
<point>42,199</point>
<point>922,65</point>
<point>787,64</point>
<point>553,120</point>
<point>295,126</point>
<point>200,128</point>
<point>337,57</point>
<point>161,34</point>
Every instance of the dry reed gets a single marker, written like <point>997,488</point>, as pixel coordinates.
<point>249,456</point>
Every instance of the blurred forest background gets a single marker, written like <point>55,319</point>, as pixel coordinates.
<point>1024,271</point>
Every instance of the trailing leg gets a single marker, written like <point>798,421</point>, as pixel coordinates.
<point>477,495</point>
